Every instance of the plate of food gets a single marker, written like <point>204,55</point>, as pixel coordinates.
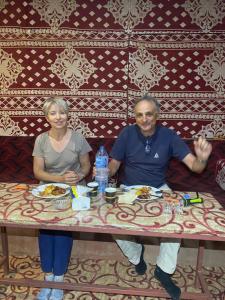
<point>144,191</point>
<point>51,190</point>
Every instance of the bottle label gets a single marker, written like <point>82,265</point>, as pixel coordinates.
<point>101,162</point>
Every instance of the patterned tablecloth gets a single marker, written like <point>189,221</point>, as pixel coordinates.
<point>18,207</point>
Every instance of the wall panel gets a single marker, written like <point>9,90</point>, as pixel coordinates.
<point>101,55</point>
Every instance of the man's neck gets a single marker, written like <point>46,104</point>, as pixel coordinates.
<point>149,133</point>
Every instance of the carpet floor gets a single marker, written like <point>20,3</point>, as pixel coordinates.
<point>103,272</point>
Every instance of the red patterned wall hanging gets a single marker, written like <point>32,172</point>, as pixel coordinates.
<point>101,55</point>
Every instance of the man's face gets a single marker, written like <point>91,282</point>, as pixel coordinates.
<point>146,117</point>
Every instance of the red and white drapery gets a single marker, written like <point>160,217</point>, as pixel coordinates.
<point>101,55</point>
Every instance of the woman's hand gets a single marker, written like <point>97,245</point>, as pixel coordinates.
<point>71,177</point>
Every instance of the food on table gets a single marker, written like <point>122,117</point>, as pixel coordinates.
<point>127,198</point>
<point>143,192</point>
<point>52,190</point>
<point>171,197</point>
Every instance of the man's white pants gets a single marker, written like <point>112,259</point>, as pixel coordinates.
<point>167,258</point>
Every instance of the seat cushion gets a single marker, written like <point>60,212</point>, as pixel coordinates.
<point>220,173</point>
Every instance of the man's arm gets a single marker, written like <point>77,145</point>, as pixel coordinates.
<point>198,162</point>
<point>113,166</point>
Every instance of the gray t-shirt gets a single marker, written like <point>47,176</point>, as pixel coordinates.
<point>66,160</point>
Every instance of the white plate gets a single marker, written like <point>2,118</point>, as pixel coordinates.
<point>36,192</point>
<point>154,191</point>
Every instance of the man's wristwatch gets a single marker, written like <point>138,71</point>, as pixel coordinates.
<point>202,161</point>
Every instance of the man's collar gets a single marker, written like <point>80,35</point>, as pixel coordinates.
<point>140,134</point>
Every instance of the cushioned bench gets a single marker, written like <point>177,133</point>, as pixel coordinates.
<point>220,173</point>
<point>16,165</point>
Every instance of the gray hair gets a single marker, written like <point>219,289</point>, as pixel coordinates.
<point>148,99</point>
<point>57,101</point>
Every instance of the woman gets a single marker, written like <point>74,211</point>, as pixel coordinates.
<point>60,155</point>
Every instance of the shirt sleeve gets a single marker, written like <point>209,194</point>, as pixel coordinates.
<point>84,145</point>
<point>179,148</point>
<point>119,148</point>
<point>37,151</point>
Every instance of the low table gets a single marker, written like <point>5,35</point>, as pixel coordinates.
<point>20,209</point>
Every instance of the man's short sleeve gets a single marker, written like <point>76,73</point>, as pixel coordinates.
<point>119,148</point>
<point>179,148</point>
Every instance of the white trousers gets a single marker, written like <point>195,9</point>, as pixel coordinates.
<point>167,258</point>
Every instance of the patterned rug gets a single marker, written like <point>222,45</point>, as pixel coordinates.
<point>103,272</point>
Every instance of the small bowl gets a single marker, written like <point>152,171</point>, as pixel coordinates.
<point>93,185</point>
<point>62,203</point>
<point>110,192</point>
<point>110,195</point>
<point>94,188</point>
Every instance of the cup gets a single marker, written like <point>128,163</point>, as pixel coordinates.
<point>94,188</point>
<point>62,203</point>
<point>110,194</point>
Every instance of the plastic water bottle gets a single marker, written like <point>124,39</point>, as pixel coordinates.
<point>101,165</point>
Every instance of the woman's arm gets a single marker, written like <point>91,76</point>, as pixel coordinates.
<point>41,174</point>
<point>69,177</point>
<point>85,166</point>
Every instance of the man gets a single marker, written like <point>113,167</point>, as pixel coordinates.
<point>145,150</point>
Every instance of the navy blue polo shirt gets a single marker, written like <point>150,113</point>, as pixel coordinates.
<point>147,168</point>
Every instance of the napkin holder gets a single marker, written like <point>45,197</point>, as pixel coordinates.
<point>79,202</point>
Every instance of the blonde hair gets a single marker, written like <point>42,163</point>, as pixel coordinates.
<point>57,101</point>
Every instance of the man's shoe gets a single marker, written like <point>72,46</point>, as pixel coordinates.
<point>165,280</point>
<point>141,267</point>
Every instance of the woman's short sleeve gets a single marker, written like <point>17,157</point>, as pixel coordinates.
<point>37,151</point>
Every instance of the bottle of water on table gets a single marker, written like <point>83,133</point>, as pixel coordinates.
<point>101,165</point>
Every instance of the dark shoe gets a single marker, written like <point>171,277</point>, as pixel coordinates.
<point>165,280</point>
<point>141,267</point>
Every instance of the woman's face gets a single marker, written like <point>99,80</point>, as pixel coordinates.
<point>57,117</point>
